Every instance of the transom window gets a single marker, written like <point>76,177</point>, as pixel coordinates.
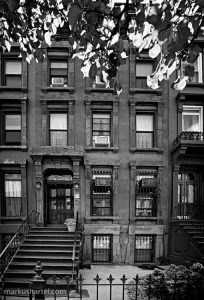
<point>146,193</point>
<point>144,130</point>
<point>58,129</point>
<point>143,68</point>
<point>12,72</point>
<point>101,248</point>
<point>12,129</point>
<point>101,130</point>
<point>101,192</point>
<point>192,118</point>
<point>13,200</point>
<point>144,248</point>
<point>59,73</point>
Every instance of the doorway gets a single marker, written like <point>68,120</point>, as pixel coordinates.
<point>60,204</point>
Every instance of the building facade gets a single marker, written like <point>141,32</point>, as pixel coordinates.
<point>69,144</point>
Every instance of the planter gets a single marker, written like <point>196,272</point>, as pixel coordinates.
<point>71,224</point>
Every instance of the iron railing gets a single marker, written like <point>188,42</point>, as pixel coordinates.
<point>189,136</point>
<point>10,250</point>
<point>189,211</point>
<point>138,288</point>
<point>75,263</point>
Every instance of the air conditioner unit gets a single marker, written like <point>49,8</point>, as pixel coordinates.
<point>58,81</point>
<point>102,141</point>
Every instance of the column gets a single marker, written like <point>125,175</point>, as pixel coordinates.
<point>132,70</point>
<point>24,122</point>
<point>88,198</point>
<point>76,187</point>
<point>132,192</point>
<point>115,193</point>
<point>180,110</point>
<point>88,139</point>
<point>44,140</point>
<point>159,126</point>
<point>174,206</point>
<point>71,123</point>
<point>115,122</point>
<point>132,125</point>
<point>40,190</point>
<point>24,190</point>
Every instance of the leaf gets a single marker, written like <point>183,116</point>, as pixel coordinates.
<point>73,16</point>
<point>152,82</point>
<point>180,83</point>
<point>8,45</point>
<point>194,53</point>
<point>93,71</point>
<point>155,50</point>
<point>189,71</point>
<point>47,37</point>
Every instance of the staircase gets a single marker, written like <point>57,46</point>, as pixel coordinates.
<point>53,247</point>
<point>187,242</point>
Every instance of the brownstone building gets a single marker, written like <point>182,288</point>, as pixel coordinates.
<point>68,144</point>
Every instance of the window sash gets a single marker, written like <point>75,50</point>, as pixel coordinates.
<point>13,122</point>
<point>13,67</point>
<point>13,195</point>
<point>143,69</point>
<point>58,138</point>
<point>58,121</point>
<point>192,118</point>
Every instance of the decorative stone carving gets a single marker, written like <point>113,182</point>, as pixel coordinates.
<point>49,150</point>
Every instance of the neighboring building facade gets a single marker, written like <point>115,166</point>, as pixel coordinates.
<point>68,144</point>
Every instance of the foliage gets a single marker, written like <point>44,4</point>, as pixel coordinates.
<point>177,282</point>
<point>98,32</point>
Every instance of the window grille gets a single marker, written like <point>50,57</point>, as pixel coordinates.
<point>146,193</point>
<point>101,192</point>
<point>101,248</point>
<point>144,248</point>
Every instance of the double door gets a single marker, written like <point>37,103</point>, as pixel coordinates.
<point>60,204</point>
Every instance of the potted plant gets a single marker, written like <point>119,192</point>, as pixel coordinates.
<point>71,224</point>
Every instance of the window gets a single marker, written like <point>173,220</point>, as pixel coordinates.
<point>192,118</point>
<point>58,129</point>
<point>144,248</point>
<point>59,73</point>
<point>101,130</point>
<point>101,192</point>
<point>12,72</point>
<point>13,203</point>
<point>146,193</point>
<point>144,130</point>
<point>198,69</point>
<point>12,127</point>
<point>143,68</point>
<point>101,248</point>
<point>98,82</point>
<point>186,195</point>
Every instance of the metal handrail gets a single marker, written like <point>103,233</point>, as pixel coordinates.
<point>11,248</point>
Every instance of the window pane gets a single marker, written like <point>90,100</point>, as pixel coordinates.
<point>190,193</point>
<point>58,121</point>
<point>13,122</point>
<point>12,137</point>
<point>59,65</point>
<point>101,116</point>
<point>144,122</point>
<point>58,138</point>
<point>191,123</point>
<point>144,140</point>
<point>13,67</point>
<point>143,69</point>
<point>13,194</point>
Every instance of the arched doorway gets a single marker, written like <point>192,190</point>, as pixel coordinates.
<point>59,198</point>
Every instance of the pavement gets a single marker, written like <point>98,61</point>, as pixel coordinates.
<point>89,285</point>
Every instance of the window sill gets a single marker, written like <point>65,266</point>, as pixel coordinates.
<point>112,149</point>
<point>135,149</point>
<point>8,147</point>
<point>145,91</point>
<point>158,220</point>
<point>13,88</point>
<point>113,219</point>
<point>21,218</point>
<point>99,90</point>
<point>59,89</point>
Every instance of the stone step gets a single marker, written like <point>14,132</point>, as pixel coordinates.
<point>45,265</point>
<point>44,252</point>
<point>50,241</point>
<point>40,247</point>
<point>44,259</point>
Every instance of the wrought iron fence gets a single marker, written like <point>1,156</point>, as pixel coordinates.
<point>147,287</point>
<point>10,250</point>
<point>189,136</point>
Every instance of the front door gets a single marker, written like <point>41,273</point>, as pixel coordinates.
<point>60,204</point>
